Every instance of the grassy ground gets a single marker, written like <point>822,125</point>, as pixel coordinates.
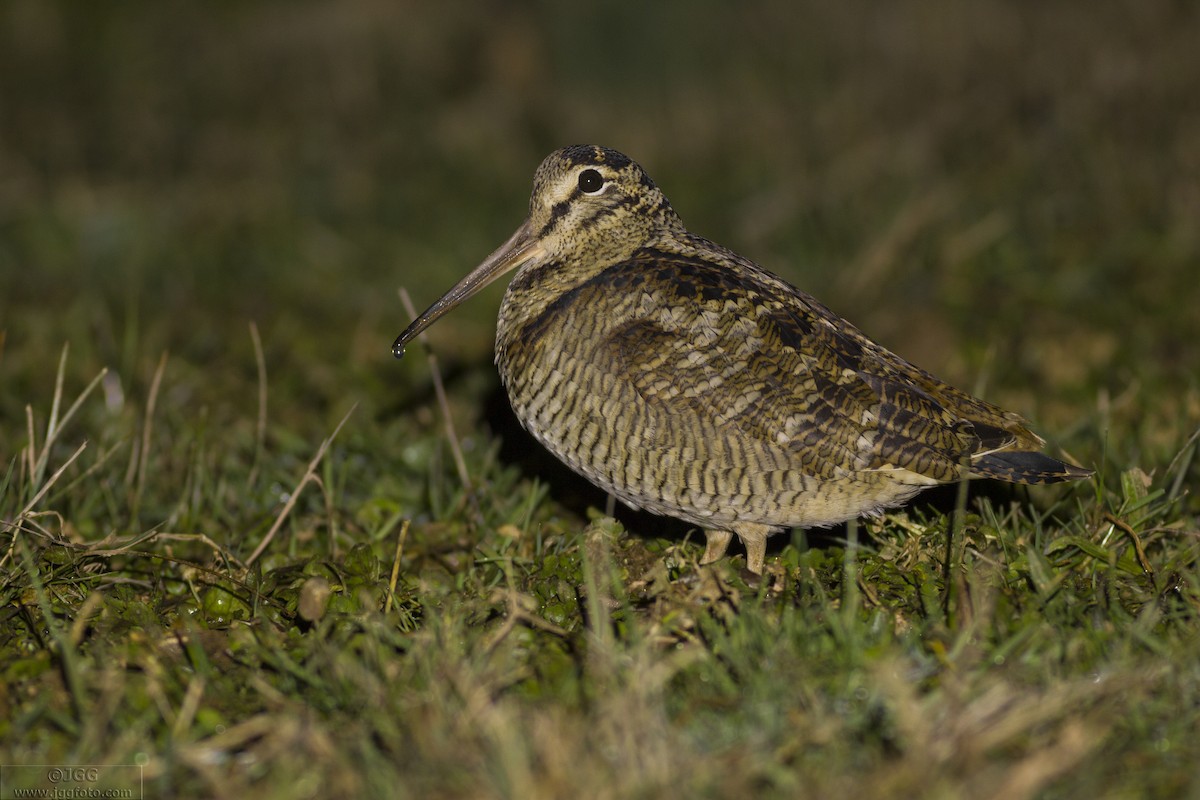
<point>235,547</point>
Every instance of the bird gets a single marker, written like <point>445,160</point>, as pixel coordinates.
<point>690,382</point>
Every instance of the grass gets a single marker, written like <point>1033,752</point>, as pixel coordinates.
<point>236,543</point>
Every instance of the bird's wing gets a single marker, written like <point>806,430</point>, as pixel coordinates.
<point>757,359</point>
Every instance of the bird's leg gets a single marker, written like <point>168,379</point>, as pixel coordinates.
<point>714,545</point>
<point>754,537</point>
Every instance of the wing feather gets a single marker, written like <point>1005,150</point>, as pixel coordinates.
<point>732,346</point>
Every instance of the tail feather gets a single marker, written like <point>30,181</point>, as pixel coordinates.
<point>1022,466</point>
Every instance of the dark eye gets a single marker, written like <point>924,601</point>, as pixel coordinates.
<point>590,181</point>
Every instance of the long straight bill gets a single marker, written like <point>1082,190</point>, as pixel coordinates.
<point>519,249</point>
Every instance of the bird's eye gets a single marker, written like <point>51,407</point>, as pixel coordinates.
<point>590,181</point>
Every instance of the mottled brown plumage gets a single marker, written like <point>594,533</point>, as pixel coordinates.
<point>687,380</point>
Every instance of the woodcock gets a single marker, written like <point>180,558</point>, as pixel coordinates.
<point>688,381</point>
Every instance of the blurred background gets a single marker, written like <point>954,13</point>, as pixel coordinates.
<point>1006,193</point>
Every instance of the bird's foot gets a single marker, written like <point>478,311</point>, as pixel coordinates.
<point>754,537</point>
<point>716,542</point>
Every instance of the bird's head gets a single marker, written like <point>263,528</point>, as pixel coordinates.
<point>590,205</point>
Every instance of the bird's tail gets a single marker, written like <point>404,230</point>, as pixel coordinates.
<point>1022,466</point>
